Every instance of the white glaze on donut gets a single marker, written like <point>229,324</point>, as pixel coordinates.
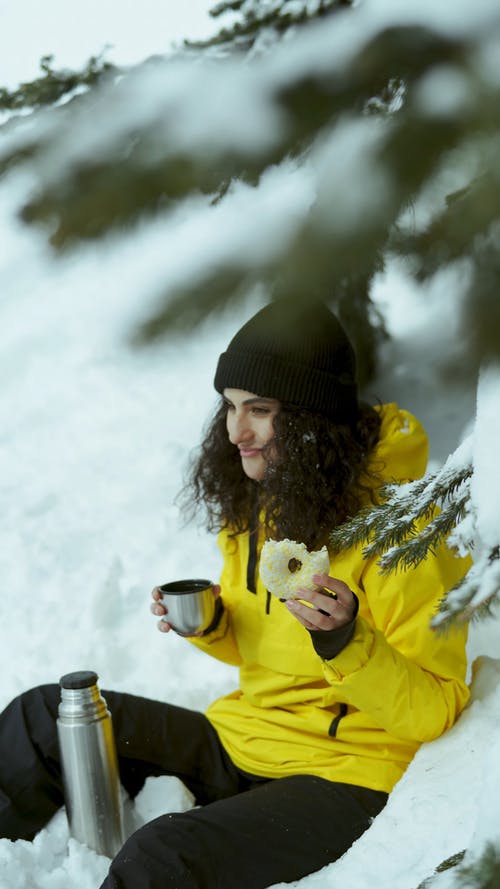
<point>287,566</point>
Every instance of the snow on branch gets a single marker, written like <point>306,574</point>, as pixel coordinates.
<point>413,550</point>
<point>475,594</point>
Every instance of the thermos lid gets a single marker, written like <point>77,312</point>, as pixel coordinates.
<point>80,679</point>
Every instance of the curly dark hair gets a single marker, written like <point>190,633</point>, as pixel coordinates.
<point>320,478</point>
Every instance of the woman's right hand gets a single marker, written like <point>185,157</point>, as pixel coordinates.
<point>158,608</point>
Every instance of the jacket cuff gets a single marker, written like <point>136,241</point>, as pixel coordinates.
<point>329,643</point>
<point>354,656</point>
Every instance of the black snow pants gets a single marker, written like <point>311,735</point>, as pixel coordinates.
<point>244,833</point>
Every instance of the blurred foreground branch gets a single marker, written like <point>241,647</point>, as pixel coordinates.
<point>190,128</point>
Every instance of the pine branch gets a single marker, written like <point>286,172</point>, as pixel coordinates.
<point>467,229</point>
<point>406,526</point>
<point>474,596</point>
<point>411,552</point>
<point>54,84</point>
<point>449,863</point>
<point>228,6</point>
<point>413,520</point>
<point>258,15</point>
<point>451,233</point>
<point>394,528</point>
<point>348,295</point>
<point>480,322</point>
<point>484,873</point>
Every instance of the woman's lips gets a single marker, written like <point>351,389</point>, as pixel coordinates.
<point>249,452</point>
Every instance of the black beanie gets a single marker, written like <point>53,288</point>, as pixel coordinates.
<point>299,355</point>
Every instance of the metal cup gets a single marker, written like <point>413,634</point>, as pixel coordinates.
<point>190,605</point>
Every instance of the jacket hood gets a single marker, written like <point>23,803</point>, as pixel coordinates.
<point>403,448</point>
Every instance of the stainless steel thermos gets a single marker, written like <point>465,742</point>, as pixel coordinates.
<point>89,764</point>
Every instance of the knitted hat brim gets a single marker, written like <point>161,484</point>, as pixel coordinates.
<point>271,376</point>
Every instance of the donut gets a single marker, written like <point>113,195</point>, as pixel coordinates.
<point>287,566</point>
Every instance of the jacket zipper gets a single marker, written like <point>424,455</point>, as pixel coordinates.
<point>332,731</point>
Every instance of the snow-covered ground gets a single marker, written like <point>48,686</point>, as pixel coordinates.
<point>93,441</point>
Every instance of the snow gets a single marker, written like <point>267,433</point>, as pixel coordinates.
<point>94,438</point>
<point>486,481</point>
<point>444,91</point>
<point>410,838</point>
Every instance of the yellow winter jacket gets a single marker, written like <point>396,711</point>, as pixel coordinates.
<point>360,717</point>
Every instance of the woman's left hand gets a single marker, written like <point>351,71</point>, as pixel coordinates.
<point>327,612</point>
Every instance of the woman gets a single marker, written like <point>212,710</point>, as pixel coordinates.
<point>338,686</point>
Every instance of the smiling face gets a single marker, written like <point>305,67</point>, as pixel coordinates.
<point>250,426</point>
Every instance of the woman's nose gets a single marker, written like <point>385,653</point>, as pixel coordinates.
<point>239,429</point>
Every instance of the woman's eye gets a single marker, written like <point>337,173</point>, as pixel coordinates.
<point>260,411</point>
